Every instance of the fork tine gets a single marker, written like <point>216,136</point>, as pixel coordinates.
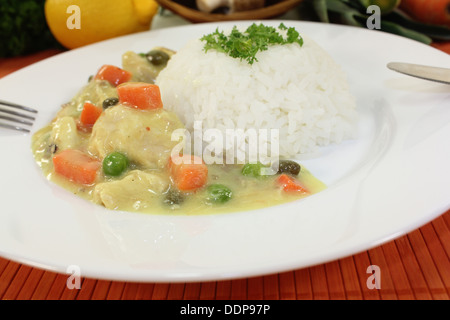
<point>9,126</point>
<point>18,120</point>
<point>14,113</point>
<point>18,106</point>
<point>18,117</point>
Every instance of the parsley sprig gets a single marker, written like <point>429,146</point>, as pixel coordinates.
<point>245,45</point>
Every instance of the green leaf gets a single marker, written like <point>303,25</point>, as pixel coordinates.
<point>23,28</point>
<point>350,19</point>
<point>433,31</point>
<point>342,8</point>
<point>245,45</point>
<point>348,14</point>
<point>405,32</point>
<point>385,6</point>
<point>353,13</point>
<point>320,8</point>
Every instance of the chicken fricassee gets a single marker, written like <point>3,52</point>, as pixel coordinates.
<point>113,144</point>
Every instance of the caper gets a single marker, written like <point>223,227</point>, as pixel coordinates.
<point>173,197</point>
<point>157,57</point>
<point>53,148</point>
<point>289,166</point>
<point>109,102</point>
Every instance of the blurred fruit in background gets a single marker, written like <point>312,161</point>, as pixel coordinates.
<point>427,21</point>
<point>385,6</point>
<point>98,20</point>
<point>23,29</point>
<point>28,26</point>
<point>428,11</point>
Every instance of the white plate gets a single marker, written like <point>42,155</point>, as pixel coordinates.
<point>393,179</point>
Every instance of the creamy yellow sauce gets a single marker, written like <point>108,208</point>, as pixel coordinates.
<point>249,193</point>
<point>143,187</point>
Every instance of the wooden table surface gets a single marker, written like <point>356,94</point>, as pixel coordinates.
<point>415,266</point>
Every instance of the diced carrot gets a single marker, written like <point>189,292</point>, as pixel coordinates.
<point>90,114</point>
<point>290,184</point>
<point>113,75</point>
<point>76,166</point>
<point>140,95</point>
<point>188,172</point>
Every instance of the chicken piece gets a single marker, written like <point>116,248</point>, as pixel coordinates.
<point>96,91</point>
<point>64,133</point>
<point>143,68</point>
<point>145,136</point>
<point>137,189</point>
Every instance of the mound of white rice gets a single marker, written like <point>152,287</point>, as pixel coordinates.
<point>299,90</point>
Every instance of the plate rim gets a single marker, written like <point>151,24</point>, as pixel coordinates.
<point>211,276</point>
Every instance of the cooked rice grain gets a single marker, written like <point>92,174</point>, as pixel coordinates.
<point>301,91</point>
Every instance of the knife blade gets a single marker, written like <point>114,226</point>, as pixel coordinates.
<point>437,74</point>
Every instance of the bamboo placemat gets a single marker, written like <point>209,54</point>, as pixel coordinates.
<point>415,266</point>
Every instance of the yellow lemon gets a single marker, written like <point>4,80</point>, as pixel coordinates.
<point>76,23</point>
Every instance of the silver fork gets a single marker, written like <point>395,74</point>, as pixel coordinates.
<point>12,119</point>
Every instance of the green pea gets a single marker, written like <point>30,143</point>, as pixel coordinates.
<point>218,193</point>
<point>252,170</point>
<point>115,164</point>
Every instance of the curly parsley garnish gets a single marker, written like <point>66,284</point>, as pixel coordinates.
<point>245,45</point>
